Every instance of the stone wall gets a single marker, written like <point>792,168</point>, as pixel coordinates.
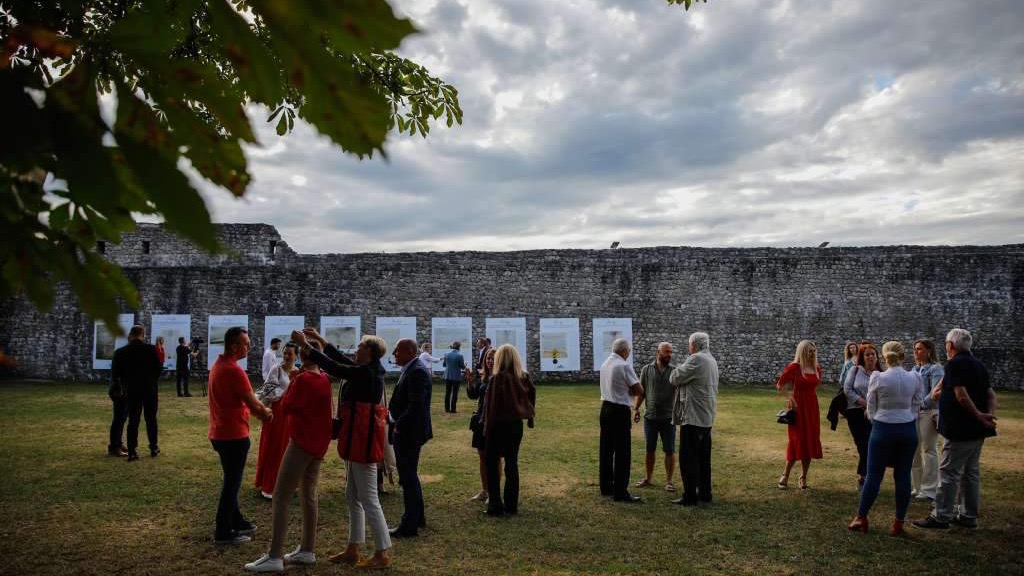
<point>755,303</point>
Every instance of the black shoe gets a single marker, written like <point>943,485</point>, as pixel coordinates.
<point>187,395</point>
<point>629,498</point>
<point>133,456</point>
<point>180,394</point>
<point>401,532</point>
<point>117,452</point>
<point>969,523</point>
<point>932,522</point>
<point>245,528</point>
<point>154,452</point>
<point>684,502</point>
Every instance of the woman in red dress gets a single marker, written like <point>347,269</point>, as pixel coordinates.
<point>274,433</point>
<point>802,378</point>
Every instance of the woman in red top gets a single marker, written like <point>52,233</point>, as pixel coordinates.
<point>308,408</point>
<point>802,377</point>
<point>274,434</point>
<point>160,352</point>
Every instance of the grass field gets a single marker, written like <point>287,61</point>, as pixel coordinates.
<point>67,508</point>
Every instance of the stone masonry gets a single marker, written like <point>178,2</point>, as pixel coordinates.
<point>756,303</point>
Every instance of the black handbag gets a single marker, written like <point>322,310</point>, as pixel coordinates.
<point>787,417</point>
<point>474,422</point>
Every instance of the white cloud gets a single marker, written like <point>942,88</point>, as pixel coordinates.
<point>732,124</point>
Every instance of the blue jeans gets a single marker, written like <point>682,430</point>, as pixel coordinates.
<point>889,444</point>
<point>232,460</point>
<point>407,459</point>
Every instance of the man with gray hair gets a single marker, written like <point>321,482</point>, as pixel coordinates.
<point>618,382</point>
<point>967,407</point>
<point>696,400</point>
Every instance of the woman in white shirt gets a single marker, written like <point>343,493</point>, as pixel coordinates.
<point>893,402</point>
<point>855,386</point>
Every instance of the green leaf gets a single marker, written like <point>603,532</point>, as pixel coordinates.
<point>151,155</point>
<point>257,67</point>
<point>351,26</point>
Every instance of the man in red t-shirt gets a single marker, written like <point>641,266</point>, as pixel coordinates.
<point>231,399</point>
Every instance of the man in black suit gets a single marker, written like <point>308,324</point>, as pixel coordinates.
<point>483,345</point>
<point>410,429</point>
<point>181,366</point>
<point>135,370</point>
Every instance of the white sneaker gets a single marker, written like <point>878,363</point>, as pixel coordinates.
<point>266,564</point>
<point>299,556</point>
<point>266,495</point>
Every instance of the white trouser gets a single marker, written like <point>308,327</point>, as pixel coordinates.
<point>925,471</point>
<point>363,505</point>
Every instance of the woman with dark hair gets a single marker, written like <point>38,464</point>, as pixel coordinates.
<point>849,361</point>
<point>802,376</point>
<point>161,353</point>
<point>476,390</point>
<point>510,399</point>
<point>274,433</point>
<point>363,383</point>
<point>855,386</point>
<point>925,471</point>
<point>307,404</point>
<point>893,402</point>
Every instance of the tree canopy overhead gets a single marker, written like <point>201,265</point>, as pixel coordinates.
<point>181,73</point>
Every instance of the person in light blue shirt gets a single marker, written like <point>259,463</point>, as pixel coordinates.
<point>925,472</point>
<point>454,372</point>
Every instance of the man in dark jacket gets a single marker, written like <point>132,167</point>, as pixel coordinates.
<point>135,370</point>
<point>182,356</point>
<point>410,427</point>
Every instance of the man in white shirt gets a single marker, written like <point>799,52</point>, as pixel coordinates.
<point>270,357</point>
<point>618,383</point>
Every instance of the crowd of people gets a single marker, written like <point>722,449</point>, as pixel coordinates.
<point>895,417</point>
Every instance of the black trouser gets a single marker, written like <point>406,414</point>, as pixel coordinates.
<point>407,459</point>
<point>137,406</point>
<point>614,451</point>
<point>451,394</point>
<point>503,442</point>
<point>695,462</point>
<point>860,429</point>
<point>232,460</point>
<point>117,423</point>
<point>181,381</point>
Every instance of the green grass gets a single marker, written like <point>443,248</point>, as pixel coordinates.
<point>69,509</point>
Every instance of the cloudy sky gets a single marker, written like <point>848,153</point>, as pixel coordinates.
<point>738,123</point>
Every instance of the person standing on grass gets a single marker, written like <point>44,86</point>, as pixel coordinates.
<point>270,357</point>
<point>618,383</point>
<point>427,357</point>
<point>409,412</point>
<point>479,367</point>
<point>230,399</point>
<point>362,383</point>
<point>855,386</point>
<point>657,398</point>
<point>182,354</point>
<point>802,377</point>
<point>307,406</point>
<point>135,370</point>
<point>510,398</point>
<point>454,372</point>
<point>696,401</point>
<point>894,401</point>
<point>274,433</point>
<point>924,474</point>
<point>967,415</point>
<point>476,389</point>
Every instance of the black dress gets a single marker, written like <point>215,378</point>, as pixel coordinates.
<point>476,392</point>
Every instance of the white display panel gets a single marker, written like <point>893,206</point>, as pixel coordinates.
<point>104,342</point>
<point>280,327</point>
<point>217,325</point>
<point>559,344</point>
<point>392,329</point>
<point>507,331</point>
<point>342,331</point>
<point>171,327</point>
<point>445,331</point>
<point>606,331</point>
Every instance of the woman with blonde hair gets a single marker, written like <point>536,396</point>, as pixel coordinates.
<point>510,399</point>
<point>802,377</point>
<point>924,473</point>
<point>855,386</point>
<point>893,402</point>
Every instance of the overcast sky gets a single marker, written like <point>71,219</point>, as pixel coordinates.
<point>738,123</point>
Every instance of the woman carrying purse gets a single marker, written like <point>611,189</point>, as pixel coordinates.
<point>802,376</point>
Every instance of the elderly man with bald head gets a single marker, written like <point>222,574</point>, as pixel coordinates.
<point>410,428</point>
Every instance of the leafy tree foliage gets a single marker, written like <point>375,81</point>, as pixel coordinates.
<point>182,73</point>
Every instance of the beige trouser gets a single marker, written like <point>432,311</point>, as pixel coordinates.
<point>301,470</point>
<point>925,471</point>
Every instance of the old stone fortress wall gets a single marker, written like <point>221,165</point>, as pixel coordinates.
<point>756,303</point>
